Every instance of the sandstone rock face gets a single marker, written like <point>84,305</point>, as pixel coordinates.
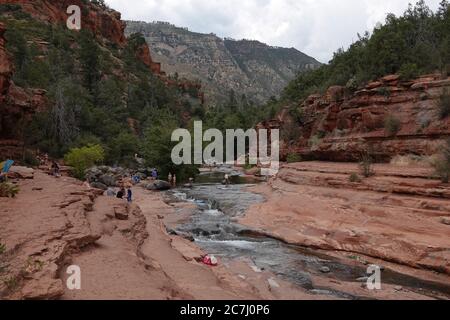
<point>40,232</point>
<point>5,66</point>
<point>339,125</point>
<point>103,22</point>
<point>143,53</point>
<point>16,103</point>
<point>248,67</point>
<point>398,215</point>
<point>121,212</point>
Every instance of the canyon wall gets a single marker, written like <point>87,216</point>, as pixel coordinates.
<point>18,105</point>
<point>340,125</point>
<point>103,22</point>
<point>222,65</point>
<point>5,66</point>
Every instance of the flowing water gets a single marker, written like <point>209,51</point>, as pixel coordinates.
<point>214,228</point>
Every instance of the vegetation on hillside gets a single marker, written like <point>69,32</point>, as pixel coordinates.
<point>99,93</point>
<point>415,43</point>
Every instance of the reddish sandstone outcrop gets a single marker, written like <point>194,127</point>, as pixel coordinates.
<point>398,215</point>
<point>17,104</point>
<point>339,125</point>
<point>143,54</point>
<point>5,66</point>
<point>105,23</point>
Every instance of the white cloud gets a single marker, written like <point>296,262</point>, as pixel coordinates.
<point>316,27</point>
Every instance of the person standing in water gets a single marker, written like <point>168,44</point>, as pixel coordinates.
<point>174,181</point>
<point>169,178</point>
<point>227,179</point>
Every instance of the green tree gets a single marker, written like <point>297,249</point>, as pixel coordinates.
<point>89,59</point>
<point>84,158</point>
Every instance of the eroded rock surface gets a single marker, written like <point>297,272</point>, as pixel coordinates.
<point>40,229</point>
<point>340,125</point>
<point>395,215</point>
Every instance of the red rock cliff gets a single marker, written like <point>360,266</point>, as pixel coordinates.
<point>5,67</point>
<point>103,22</point>
<point>143,54</point>
<point>339,125</point>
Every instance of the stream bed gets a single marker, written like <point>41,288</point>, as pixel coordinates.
<point>214,228</point>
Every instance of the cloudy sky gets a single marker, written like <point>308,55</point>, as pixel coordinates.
<point>316,27</point>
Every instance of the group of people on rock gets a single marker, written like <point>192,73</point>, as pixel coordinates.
<point>128,194</point>
<point>123,193</point>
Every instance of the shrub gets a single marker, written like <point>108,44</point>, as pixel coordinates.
<point>293,157</point>
<point>11,283</point>
<point>352,84</point>
<point>444,104</point>
<point>366,164</point>
<point>441,163</point>
<point>354,178</point>
<point>409,71</point>
<point>297,114</point>
<point>83,158</point>
<point>392,125</point>
<point>8,190</point>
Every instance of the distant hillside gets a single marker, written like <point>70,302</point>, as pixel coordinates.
<point>246,67</point>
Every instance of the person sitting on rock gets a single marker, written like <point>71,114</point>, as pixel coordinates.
<point>121,193</point>
<point>55,169</point>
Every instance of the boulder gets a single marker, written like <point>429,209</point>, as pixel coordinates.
<point>325,270</point>
<point>108,180</point>
<point>445,220</point>
<point>121,213</point>
<point>99,185</point>
<point>373,85</point>
<point>158,185</point>
<point>21,172</point>
<point>390,78</point>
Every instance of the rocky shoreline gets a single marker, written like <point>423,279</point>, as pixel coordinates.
<point>394,217</point>
<point>126,252</point>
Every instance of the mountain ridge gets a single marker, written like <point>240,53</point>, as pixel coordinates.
<point>247,67</point>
